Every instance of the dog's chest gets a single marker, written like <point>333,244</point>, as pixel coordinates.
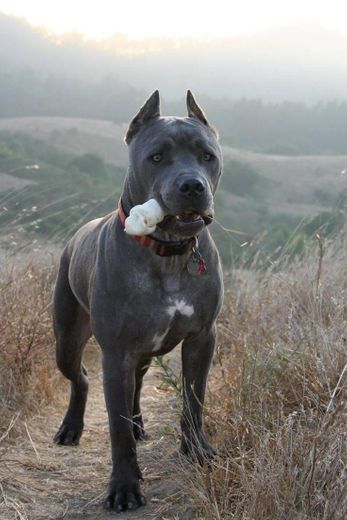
<point>155,311</point>
<point>175,319</point>
<point>181,312</point>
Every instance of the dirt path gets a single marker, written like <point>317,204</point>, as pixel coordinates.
<point>52,482</point>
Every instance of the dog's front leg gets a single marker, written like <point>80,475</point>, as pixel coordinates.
<point>197,353</point>
<point>119,386</point>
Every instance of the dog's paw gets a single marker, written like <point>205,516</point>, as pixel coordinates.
<point>69,434</point>
<point>123,496</point>
<point>198,450</point>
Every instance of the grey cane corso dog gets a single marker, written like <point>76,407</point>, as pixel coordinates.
<point>140,301</point>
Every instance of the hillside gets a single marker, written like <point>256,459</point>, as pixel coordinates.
<point>79,166</point>
<point>301,182</point>
<point>73,135</point>
<point>297,179</point>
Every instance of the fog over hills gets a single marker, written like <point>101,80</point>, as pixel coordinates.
<point>275,92</point>
<point>278,100</point>
<point>305,63</point>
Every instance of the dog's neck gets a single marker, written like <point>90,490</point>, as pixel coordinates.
<point>167,265</point>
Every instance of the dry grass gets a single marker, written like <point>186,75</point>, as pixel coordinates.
<point>38,479</point>
<point>275,409</point>
<point>277,403</point>
<point>26,340</point>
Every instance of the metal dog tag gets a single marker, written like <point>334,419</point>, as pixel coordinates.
<point>196,264</point>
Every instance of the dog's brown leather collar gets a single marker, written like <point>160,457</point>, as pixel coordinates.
<point>159,247</point>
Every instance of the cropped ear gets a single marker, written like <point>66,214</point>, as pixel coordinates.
<point>149,111</point>
<point>194,110</point>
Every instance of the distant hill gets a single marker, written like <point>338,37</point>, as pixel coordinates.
<point>301,185</point>
<point>298,184</point>
<point>82,165</point>
<point>74,135</point>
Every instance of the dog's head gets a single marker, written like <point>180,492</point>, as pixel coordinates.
<point>178,162</point>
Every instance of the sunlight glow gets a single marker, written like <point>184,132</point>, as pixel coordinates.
<point>159,18</point>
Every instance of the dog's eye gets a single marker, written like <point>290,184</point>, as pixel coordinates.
<point>156,157</point>
<point>207,156</point>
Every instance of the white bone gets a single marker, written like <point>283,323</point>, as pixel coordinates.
<point>143,218</point>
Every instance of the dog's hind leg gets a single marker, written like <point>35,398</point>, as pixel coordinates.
<point>72,331</point>
<point>139,431</point>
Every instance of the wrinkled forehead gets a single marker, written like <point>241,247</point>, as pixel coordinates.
<point>173,132</point>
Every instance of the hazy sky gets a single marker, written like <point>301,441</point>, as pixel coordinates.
<point>151,18</point>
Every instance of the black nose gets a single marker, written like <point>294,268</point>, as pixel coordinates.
<point>191,187</point>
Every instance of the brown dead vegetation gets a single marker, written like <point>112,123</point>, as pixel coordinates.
<point>27,364</point>
<point>275,410</point>
<point>277,404</point>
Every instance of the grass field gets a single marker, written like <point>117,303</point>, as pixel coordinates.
<point>276,403</point>
<point>275,409</point>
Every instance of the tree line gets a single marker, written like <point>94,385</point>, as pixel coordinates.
<point>286,128</point>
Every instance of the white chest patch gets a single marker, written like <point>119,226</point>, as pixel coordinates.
<point>180,306</point>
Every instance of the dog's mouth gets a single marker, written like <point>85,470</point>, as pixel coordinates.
<point>187,223</point>
<point>193,217</point>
